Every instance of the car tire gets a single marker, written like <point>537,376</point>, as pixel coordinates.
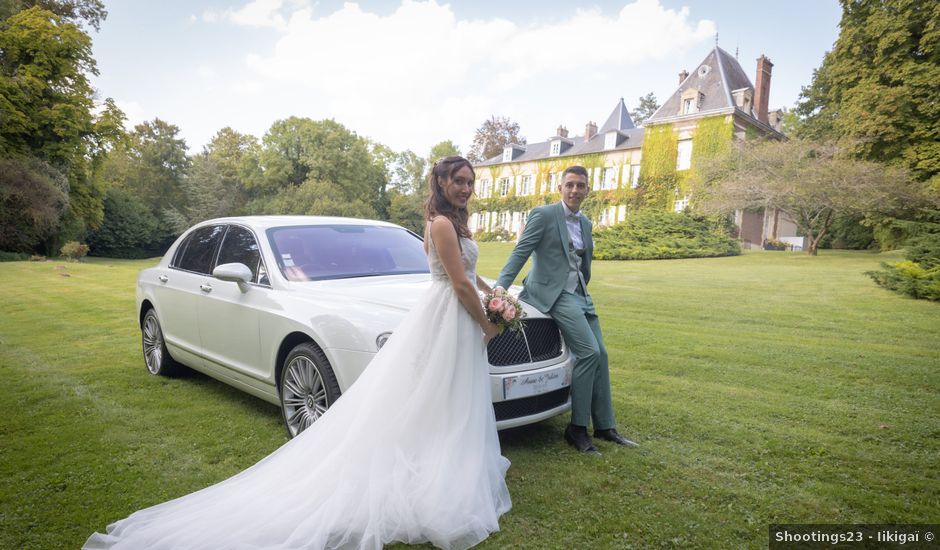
<point>307,387</point>
<point>157,358</point>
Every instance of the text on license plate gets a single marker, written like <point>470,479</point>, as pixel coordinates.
<point>526,385</point>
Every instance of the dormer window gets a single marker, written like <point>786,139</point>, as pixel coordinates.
<point>610,140</point>
<point>556,148</point>
<point>744,98</point>
<point>691,102</point>
<point>507,154</point>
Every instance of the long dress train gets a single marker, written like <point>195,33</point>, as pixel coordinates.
<point>409,453</point>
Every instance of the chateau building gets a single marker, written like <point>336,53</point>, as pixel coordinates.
<point>712,105</point>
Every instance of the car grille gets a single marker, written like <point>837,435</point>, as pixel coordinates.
<point>528,406</point>
<point>541,342</point>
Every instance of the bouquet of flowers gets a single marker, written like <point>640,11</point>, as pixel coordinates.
<point>504,310</point>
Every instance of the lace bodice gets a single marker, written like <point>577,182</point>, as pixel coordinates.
<point>469,252</point>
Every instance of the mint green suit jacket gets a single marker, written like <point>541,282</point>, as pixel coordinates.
<point>545,238</point>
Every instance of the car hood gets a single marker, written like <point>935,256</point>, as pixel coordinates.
<point>397,292</point>
<point>393,292</point>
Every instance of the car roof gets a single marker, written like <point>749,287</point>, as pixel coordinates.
<point>265,222</point>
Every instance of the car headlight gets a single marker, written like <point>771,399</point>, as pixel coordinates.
<point>381,339</point>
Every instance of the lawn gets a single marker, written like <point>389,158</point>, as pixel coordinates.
<point>765,388</point>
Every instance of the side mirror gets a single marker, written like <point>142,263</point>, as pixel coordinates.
<point>236,273</point>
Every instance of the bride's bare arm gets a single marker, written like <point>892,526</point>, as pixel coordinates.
<point>448,249</point>
<point>481,284</point>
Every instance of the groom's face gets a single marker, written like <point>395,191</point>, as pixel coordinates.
<point>573,190</point>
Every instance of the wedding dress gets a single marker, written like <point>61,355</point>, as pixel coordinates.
<point>409,454</point>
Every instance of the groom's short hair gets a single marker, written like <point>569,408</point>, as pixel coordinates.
<point>579,170</point>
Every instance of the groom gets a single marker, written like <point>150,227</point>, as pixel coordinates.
<point>559,240</point>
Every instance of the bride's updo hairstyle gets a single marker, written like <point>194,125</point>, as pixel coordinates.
<point>437,203</point>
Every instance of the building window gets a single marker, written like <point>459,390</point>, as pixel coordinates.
<point>503,187</point>
<point>609,178</point>
<point>688,106</point>
<point>527,187</point>
<point>507,154</point>
<point>634,175</point>
<point>610,140</point>
<point>484,189</point>
<point>682,204</point>
<point>556,148</point>
<point>684,158</point>
<point>503,220</point>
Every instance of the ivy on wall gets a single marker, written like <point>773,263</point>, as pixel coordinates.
<point>658,166</point>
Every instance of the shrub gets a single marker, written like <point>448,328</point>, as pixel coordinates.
<point>74,250</point>
<point>919,276</point>
<point>774,244</point>
<point>502,235</point>
<point>909,278</point>
<point>656,234</point>
<point>13,256</point>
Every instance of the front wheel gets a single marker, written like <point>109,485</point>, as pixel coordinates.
<point>307,387</point>
<point>156,356</point>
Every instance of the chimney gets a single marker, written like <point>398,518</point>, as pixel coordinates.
<point>683,74</point>
<point>762,87</point>
<point>590,130</point>
<point>562,131</point>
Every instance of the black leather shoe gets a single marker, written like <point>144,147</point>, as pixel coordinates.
<point>614,437</point>
<point>578,437</point>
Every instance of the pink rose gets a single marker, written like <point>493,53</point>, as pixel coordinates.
<point>497,304</point>
<point>509,313</point>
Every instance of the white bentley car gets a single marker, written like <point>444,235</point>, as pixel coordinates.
<point>292,309</point>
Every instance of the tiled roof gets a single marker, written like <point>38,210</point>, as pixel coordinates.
<point>716,77</point>
<point>619,119</point>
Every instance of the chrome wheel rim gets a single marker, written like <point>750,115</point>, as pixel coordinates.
<point>303,394</point>
<point>153,344</point>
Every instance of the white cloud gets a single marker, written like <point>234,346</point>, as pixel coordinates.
<point>399,76</point>
<point>258,13</point>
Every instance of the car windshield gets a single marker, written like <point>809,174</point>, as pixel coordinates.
<point>317,252</point>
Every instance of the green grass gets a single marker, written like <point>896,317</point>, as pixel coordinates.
<point>765,388</point>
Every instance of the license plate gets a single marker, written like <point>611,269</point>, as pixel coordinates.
<point>527,385</point>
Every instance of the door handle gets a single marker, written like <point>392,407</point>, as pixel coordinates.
<point>163,278</point>
<point>206,288</point>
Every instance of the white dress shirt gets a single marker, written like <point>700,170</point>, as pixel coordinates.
<point>573,220</point>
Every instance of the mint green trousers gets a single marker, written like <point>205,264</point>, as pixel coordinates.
<point>590,381</point>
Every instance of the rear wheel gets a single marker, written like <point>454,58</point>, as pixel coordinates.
<point>307,387</point>
<point>156,356</point>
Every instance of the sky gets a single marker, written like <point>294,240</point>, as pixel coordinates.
<point>409,73</point>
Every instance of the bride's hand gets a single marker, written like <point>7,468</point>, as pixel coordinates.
<point>490,331</point>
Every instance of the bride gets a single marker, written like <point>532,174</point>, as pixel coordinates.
<point>408,454</point>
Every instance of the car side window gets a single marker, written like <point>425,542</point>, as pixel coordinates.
<point>240,246</point>
<point>200,250</point>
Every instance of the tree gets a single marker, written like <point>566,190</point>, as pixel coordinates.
<point>323,157</point>
<point>130,228</point>
<point>90,11</point>
<point>409,173</point>
<point>45,96</point>
<point>492,136</point>
<point>645,109</point>
<point>876,91</point>
<point>33,197</point>
<point>443,149</point>
<point>46,102</point>
<point>159,165</point>
<point>813,183</point>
